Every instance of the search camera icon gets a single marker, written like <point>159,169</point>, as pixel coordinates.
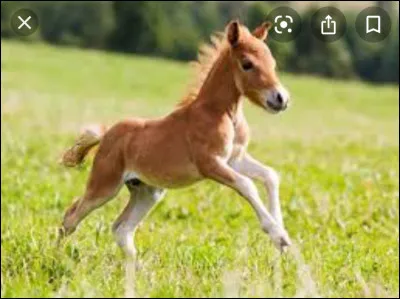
<point>287,24</point>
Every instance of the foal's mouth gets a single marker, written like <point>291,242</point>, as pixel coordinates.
<point>274,107</point>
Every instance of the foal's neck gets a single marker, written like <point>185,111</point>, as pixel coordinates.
<point>219,92</point>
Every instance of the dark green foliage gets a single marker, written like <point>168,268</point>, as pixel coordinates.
<point>157,28</point>
<point>228,10</point>
<point>389,68</point>
<point>175,30</point>
<point>81,23</point>
<point>376,62</point>
<point>316,57</point>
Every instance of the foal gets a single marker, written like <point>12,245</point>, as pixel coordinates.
<point>204,138</point>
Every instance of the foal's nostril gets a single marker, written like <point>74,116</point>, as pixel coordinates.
<point>279,98</point>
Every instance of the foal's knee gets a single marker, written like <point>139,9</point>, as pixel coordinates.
<point>271,177</point>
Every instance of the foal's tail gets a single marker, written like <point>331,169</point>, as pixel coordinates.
<point>90,136</point>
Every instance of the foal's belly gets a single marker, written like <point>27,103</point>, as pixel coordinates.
<point>164,177</point>
<point>176,174</point>
<point>162,163</point>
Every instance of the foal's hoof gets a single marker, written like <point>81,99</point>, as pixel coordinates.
<point>281,239</point>
<point>60,236</point>
<point>63,233</point>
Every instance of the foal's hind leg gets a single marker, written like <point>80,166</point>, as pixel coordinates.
<point>103,185</point>
<point>143,198</point>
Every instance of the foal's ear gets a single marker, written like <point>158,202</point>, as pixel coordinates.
<point>261,31</point>
<point>233,32</point>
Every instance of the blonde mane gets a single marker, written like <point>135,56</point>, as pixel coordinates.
<point>207,56</point>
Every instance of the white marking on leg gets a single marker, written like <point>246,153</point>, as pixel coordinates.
<point>278,235</point>
<point>270,178</point>
<point>225,174</point>
<point>143,198</point>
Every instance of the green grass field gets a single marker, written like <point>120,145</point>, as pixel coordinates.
<point>336,149</point>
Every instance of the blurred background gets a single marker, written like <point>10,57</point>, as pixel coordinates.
<point>175,30</point>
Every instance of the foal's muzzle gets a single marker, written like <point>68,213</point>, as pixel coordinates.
<point>276,99</point>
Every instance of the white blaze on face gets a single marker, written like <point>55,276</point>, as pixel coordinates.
<point>276,98</point>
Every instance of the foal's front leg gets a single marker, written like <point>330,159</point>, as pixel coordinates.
<point>221,172</point>
<point>254,169</point>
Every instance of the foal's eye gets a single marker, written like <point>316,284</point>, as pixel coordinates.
<point>247,65</point>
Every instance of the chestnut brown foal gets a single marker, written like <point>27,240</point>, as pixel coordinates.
<point>204,138</point>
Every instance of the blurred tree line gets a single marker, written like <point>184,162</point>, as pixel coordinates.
<point>175,30</point>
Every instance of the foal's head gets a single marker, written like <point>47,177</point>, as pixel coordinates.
<point>254,67</point>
